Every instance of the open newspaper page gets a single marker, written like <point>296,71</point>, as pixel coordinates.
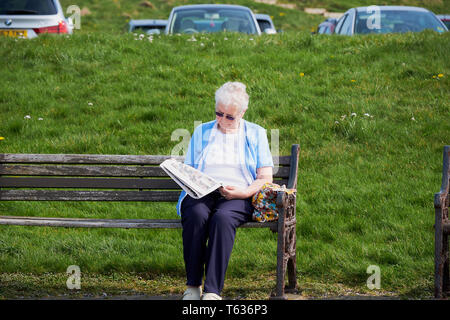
<point>195,183</point>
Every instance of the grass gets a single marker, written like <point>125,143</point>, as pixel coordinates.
<point>366,182</point>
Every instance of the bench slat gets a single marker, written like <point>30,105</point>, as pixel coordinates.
<point>109,223</point>
<point>88,171</point>
<point>66,195</point>
<point>94,183</point>
<point>98,159</point>
<point>99,171</point>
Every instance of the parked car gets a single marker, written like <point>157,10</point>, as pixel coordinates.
<point>445,18</point>
<point>212,18</point>
<point>147,26</point>
<point>265,23</point>
<point>327,26</point>
<point>28,19</point>
<point>392,19</point>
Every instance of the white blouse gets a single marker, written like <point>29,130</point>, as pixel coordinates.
<point>222,160</point>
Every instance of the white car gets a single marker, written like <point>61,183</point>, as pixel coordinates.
<point>29,18</point>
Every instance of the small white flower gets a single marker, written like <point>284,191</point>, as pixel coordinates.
<point>202,44</point>
<point>141,36</point>
<point>135,34</point>
<point>336,122</point>
<point>353,114</point>
<point>367,115</point>
<point>27,117</point>
<point>251,39</point>
<point>225,38</point>
<point>40,119</point>
<point>343,117</point>
<point>90,104</point>
<point>192,39</point>
<point>413,119</point>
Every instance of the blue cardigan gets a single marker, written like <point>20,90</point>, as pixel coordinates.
<point>254,150</point>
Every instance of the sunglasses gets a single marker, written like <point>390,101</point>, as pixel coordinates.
<point>220,114</point>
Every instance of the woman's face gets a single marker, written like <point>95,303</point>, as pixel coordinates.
<point>228,117</point>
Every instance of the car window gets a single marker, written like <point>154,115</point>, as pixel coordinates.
<point>347,25</point>
<point>212,20</point>
<point>38,7</point>
<point>264,24</point>
<point>339,23</point>
<point>398,21</point>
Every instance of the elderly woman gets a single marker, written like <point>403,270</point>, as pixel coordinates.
<point>235,152</point>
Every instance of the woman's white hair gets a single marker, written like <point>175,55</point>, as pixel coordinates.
<point>232,94</point>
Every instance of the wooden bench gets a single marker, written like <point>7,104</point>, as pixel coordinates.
<point>442,230</point>
<point>83,177</point>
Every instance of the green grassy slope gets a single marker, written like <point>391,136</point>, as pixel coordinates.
<point>366,181</point>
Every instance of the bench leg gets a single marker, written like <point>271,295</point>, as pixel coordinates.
<point>441,257</point>
<point>445,278</point>
<point>286,250</point>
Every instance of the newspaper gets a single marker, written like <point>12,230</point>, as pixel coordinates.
<point>196,184</point>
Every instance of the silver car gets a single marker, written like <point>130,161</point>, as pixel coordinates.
<point>212,18</point>
<point>387,19</point>
<point>29,18</point>
<point>265,23</point>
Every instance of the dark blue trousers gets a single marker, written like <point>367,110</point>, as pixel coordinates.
<point>209,228</point>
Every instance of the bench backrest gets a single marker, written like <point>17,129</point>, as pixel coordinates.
<point>83,177</point>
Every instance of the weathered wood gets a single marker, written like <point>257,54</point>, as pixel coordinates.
<point>91,183</point>
<point>442,230</point>
<point>99,159</point>
<point>99,171</point>
<point>84,158</point>
<point>66,195</point>
<point>81,170</point>
<point>108,223</point>
<point>293,168</point>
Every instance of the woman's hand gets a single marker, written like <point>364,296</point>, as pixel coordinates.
<point>232,192</point>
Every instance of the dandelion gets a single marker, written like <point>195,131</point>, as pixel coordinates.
<point>282,14</point>
<point>2,138</point>
<point>434,77</point>
<point>27,117</point>
<point>302,74</point>
<point>353,80</point>
<point>440,75</point>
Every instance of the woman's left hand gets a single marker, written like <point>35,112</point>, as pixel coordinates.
<point>232,192</point>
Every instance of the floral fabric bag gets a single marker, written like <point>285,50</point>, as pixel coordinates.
<point>265,202</point>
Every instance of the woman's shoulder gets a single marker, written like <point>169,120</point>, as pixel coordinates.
<point>253,126</point>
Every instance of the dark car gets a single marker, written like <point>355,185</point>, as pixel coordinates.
<point>327,27</point>
<point>445,18</point>
<point>29,18</point>
<point>212,18</point>
<point>387,19</point>
<point>148,26</point>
